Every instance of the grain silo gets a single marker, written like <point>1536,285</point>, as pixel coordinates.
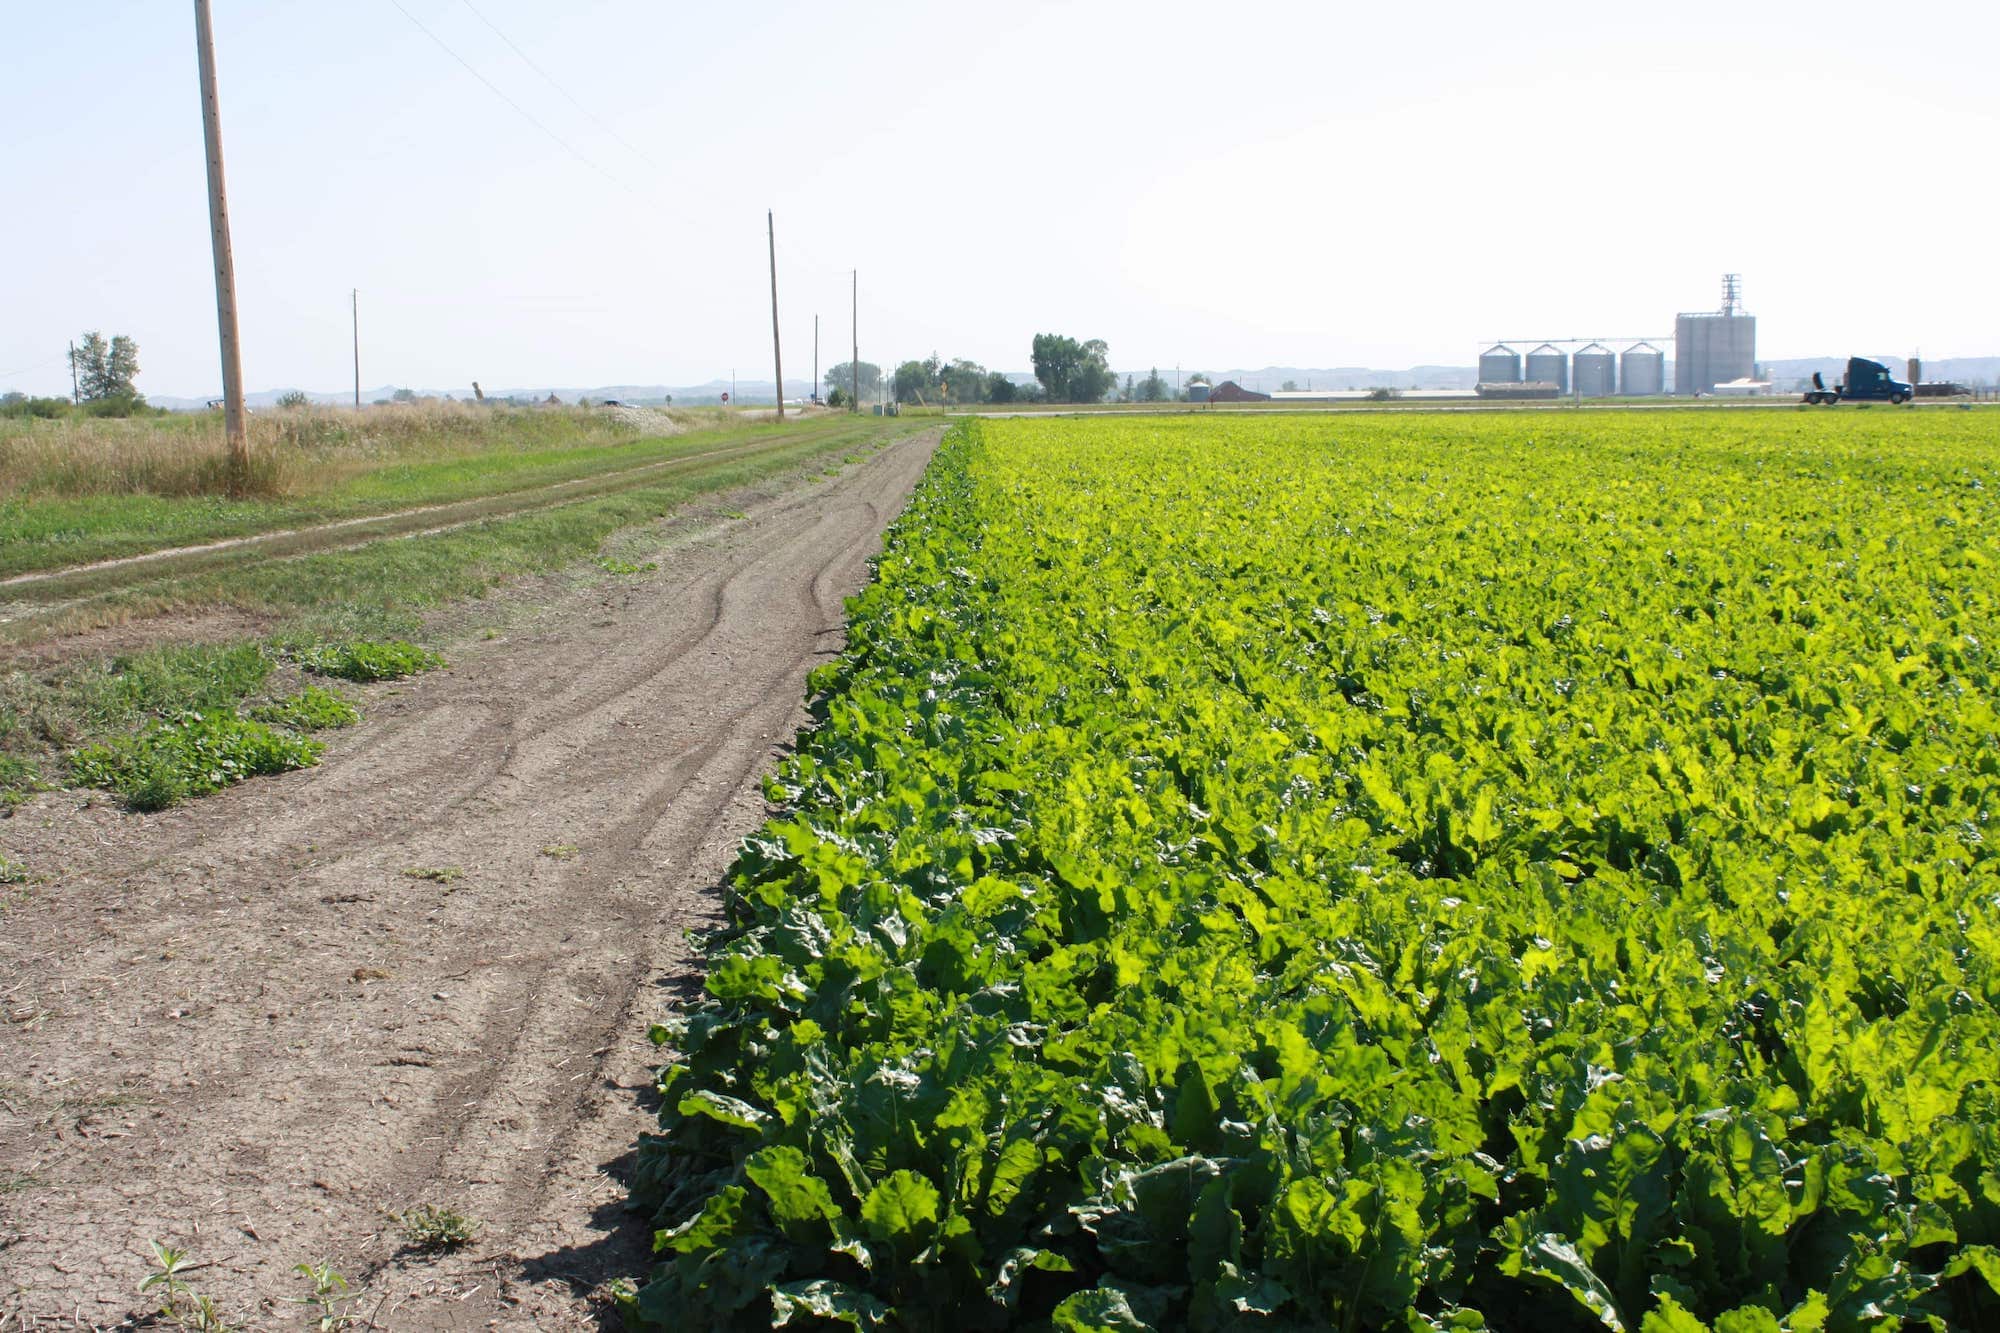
<point>1500,365</point>
<point>1547,365</point>
<point>1642,371</point>
<point>1715,349</point>
<point>1596,371</point>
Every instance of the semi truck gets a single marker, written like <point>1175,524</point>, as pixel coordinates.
<point>1867,382</point>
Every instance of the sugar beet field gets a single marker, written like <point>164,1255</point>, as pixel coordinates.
<point>1415,872</point>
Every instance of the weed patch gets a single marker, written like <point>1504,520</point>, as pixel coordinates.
<point>193,755</point>
<point>363,660</point>
<point>19,779</point>
<point>430,1227</point>
<point>314,708</point>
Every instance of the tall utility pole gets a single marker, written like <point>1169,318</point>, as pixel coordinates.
<point>777,353</point>
<point>357,348</point>
<point>225,264</point>
<point>815,392</point>
<point>855,365</point>
<point>75,387</point>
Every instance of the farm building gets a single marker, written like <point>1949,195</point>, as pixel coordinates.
<point>1229,391</point>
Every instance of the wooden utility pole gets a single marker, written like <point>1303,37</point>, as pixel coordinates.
<point>777,353</point>
<point>225,265</point>
<point>854,300</point>
<point>75,387</point>
<point>357,348</point>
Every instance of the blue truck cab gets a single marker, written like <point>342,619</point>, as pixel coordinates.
<point>1867,382</point>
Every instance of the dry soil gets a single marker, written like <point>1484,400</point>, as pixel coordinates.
<point>256,1026</point>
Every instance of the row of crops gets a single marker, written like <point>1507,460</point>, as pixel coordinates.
<point>1404,873</point>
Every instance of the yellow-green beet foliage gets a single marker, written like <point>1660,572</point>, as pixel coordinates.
<point>1418,872</point>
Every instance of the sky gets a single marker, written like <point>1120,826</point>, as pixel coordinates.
<point>1203,186</point>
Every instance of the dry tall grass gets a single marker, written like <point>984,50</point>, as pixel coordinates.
<point>303,451</point>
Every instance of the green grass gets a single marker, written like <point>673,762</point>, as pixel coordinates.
<point>160,726</point>
<point>40,712</point>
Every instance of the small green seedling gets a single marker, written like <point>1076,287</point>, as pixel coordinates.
<point>329,1294</point>
<point>180,1303</point>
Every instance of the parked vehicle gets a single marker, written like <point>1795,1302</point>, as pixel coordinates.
<point>1867,382</point>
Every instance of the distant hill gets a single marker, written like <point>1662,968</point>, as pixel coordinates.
<point>1267,378</point>
<point>1970,370</point>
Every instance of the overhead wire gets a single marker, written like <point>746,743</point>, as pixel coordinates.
<point>39,365</point>
<point>550,79</point>
<point>495,89</point>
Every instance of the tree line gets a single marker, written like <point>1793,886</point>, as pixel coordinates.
<point>1066,371</point>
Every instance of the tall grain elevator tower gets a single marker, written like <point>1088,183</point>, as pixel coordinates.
<point>1712,349</point>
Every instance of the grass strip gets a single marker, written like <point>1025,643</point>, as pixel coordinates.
<point>57,532</point>
<point>322,605</point>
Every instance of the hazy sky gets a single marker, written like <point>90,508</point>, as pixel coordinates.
<point>1309,184</point>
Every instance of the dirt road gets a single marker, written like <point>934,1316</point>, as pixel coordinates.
<point>35,602</point>
<point>421,973</point>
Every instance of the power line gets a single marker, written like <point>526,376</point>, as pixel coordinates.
<point>529,61</point>
<point>40,365</point>
<point>560,142</point>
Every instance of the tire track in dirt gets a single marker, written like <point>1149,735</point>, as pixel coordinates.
<point>243,1028</point>
<point>43,597</point>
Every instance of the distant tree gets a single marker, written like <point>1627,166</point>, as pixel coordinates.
<point>1000,389</point>
<point>842,377</point>
<point>1153,389</point>
<point>964,381</point>
<point>21,405</point>
<point>1054,358</point>
<point>405,396</point>
<point>917,381</point>
<point>1289,386</point>
<point>837,398</point>
<point>105,371</point>
<point>1072,372</point>
<point>292,400</point>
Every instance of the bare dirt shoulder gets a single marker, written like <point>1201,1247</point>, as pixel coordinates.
<point>255,1026</point>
